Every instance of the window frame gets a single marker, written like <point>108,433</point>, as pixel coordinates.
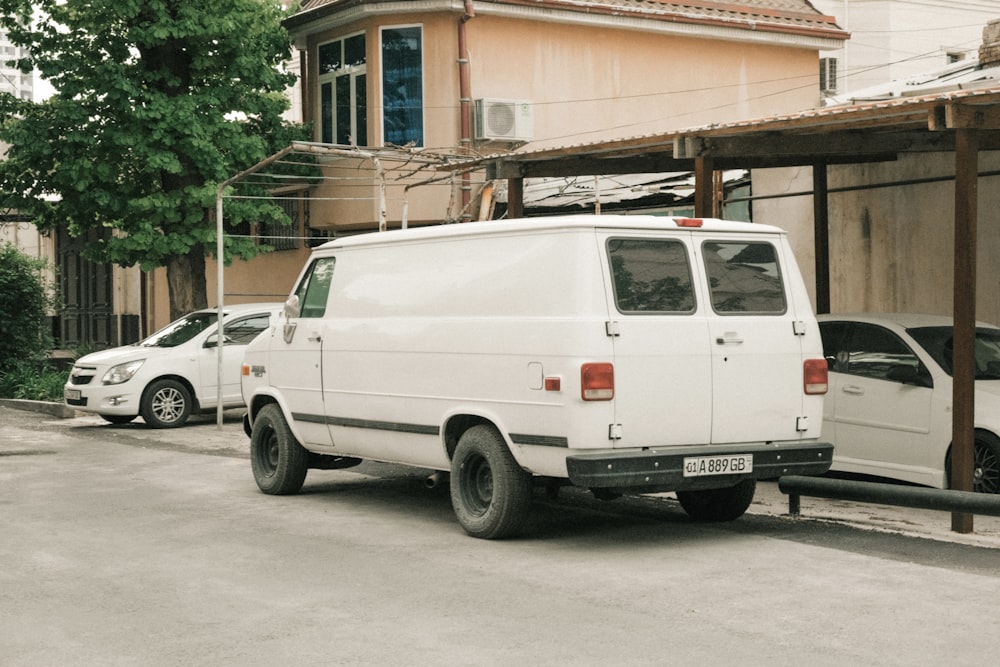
<point>357,133</point>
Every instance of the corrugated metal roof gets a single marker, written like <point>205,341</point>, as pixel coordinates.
<point>794,16</point>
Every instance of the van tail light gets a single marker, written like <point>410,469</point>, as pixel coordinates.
<point>597,381</point>
<point>815,376</point>
<point>688,222</point>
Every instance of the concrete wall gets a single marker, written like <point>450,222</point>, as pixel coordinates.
<point>891,247</point>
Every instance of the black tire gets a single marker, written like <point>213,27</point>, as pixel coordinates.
<point>986,471</point>
<point>278,461</point>
<point>714,505</point>
<point>118,419</point>
<point>166,403</point>
<point>985,465</point>
<point>490,492</point>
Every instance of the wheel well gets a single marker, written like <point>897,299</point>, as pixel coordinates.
<point>458,425</point>
<point>195,403</point>
<point>258,402</point>
<point>976,433</point>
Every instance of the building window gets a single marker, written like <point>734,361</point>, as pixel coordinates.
<point>343,111</point>
<point>402,86</point>
<point>828,75</point>
<point>285,237</point>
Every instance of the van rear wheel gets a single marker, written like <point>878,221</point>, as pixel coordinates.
<point>278,461</point>
<point>713,505</point>
<point>490,492</point>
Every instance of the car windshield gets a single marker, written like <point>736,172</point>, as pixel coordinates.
<point>180,331</point>
<point>938,342</point>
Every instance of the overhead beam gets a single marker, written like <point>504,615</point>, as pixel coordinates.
<point>964,117</point>
<point>808,147</point>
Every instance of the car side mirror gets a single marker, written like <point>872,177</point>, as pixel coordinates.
<point>212,340</point>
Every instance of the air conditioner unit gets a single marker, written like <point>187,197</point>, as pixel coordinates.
<point>828,75</point>
<point>504,120</point>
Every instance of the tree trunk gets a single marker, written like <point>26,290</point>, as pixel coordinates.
<point>186,282</point>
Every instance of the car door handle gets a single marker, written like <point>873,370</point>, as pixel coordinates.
<point>853,390</point>
<point>315,338</point>
<point>729,339</point>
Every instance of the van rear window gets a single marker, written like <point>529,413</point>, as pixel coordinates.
<point>651,276</point>
<point>744,277</point>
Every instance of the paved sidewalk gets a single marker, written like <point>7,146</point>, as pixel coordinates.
<point>204,435</point>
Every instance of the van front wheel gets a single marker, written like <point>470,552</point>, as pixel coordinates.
<point>490,492</point>
<point>712,505</point>
<point>278,461</point>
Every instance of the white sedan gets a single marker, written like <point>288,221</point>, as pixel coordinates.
<point>888,410</point>
<point>172,373</point>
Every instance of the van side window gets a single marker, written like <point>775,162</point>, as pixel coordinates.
<point>651,276</point>
<point>315,287</point>
<point>744,277</point>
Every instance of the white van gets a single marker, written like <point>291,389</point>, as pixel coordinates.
<point>624,354</point>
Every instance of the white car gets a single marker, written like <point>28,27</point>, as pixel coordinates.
<point>171,374</point>
<point>888,410</point>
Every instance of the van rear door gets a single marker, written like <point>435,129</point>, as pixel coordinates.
<point>663,392</point>
<point>756,339</point>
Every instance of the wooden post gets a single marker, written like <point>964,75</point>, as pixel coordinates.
<point>821,237</point>
<point>515,198</point>
<point>963,355</point>
<point>704,190</point>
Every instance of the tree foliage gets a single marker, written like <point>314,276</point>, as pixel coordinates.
<point>156,103</point>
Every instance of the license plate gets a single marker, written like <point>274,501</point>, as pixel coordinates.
<point>731,464</point>
<point>72,394</point>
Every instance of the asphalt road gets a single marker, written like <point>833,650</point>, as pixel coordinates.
<point>126,546</point>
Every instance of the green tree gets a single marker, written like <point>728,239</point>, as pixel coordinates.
<point>26,298</point>
<point>156,102</point>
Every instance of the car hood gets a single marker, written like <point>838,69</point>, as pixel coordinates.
<point>121,355</point>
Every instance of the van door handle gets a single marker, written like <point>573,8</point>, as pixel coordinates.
<point>315,338</point>
<point>729,339</point>
<point>853,390</point>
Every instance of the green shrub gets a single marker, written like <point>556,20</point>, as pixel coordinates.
<point>32,380</point>
<point>26,298</point>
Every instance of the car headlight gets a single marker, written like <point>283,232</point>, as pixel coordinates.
<point>121,372</point>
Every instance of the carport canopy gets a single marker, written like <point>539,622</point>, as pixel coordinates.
<point>963,122</point>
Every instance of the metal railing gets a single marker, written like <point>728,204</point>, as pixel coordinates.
<point>795,486</point>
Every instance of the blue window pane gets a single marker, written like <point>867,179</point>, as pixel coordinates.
<point>402,86</point>
<point>361,109</point>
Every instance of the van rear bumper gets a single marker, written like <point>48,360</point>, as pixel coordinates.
<point>662,469</point>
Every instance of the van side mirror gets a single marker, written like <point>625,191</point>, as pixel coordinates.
<point>292,311</point>
<point>292,307</point>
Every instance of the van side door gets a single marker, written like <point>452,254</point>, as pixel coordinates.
<point>295,367</point>
<point>756,341</point>
<point>662,364</point>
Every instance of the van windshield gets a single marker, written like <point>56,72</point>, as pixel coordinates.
<point>180,331</point>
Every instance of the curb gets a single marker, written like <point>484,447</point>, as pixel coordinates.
<point>46,407</point>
